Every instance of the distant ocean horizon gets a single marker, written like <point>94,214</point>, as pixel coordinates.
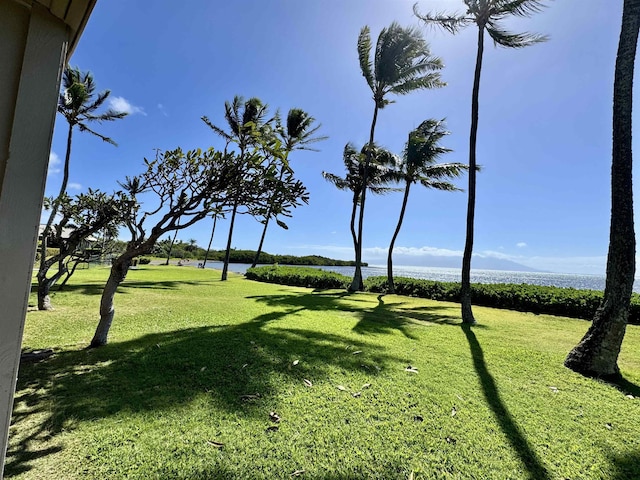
<point>567,280</point>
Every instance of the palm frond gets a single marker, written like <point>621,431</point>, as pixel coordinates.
<point>108,116</point>
<point>337,181</point>
<point>97,103</point>
<point>519,8</point>
<point>429,81</point>
<point>217,130</point>
<point>452,23</point>
<point>84,128</point>
<point>364,55</point>
<point>436,185</point>
<point>506,39</point>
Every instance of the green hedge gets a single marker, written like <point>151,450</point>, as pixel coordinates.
<point>567,302</point>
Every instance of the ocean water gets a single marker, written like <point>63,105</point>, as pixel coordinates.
<point>590,282</point>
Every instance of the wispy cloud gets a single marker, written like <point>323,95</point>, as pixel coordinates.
<point>163,110</point>
<point>121,104</point>
<point>55,164</point>
<point>521,244</point>
<point>74,186</point>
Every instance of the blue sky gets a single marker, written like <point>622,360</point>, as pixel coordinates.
<point>544,137</point>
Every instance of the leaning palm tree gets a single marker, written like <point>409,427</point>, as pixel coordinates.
<point>597,353</point>
<point>78,104</point>
<point>298,134</point>
<point>247,123</point>
<point>401,64</point>
<point>381,161</point>
<point>418,166</point>
<point>487,15</point>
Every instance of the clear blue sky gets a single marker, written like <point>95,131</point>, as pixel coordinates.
<point>545,119</point>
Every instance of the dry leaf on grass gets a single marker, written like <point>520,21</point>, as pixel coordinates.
<point>356,394</point>
<point>609,426</point>
<point>247,398</point>
<point>411,369</point>
<point>215,444</point>
<point>356,352</point>
<point>454,411</point>
<point>297,473</point>
<point>307,383</point>
<point>274,417</point>
<point>295,362</point>
<point>366,385</point>
<point>341,388</point>
<point>451,440</point>
<point>554,389</point>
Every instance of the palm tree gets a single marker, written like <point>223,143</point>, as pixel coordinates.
<point>381,161</point>
<point>247,123</point>
<point>217,212</point>
<point>78,104</point>
<point>298,134</point>
<point>487,16</point>
<point>418,166</point>
<point>401,64</point>
<point>597,353</point>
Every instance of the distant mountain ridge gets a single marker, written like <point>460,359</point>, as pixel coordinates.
<point>480,263</point>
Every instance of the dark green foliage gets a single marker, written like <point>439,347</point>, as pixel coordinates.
<point>144,261</point>
<point>298,277</point>
<point>247,256</point>
<point>568,302</point>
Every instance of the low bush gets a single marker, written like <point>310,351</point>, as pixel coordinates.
<point>144,261</point>
<point>298,277</point>
<point>567,302</point>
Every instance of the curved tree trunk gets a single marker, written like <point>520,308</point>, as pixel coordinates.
<point>213,230</point>
<point>45,304</point>
<point>357,283</point>
<point>227,253</point>
<point>264,233</point>
<point>390,284</point>
<point>597,353</point>
<point>118,273</point>
<point>465,287</point>
<point>173,240</point>
<point>352,224</point>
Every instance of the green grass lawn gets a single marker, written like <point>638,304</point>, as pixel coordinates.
<point>197,370</point>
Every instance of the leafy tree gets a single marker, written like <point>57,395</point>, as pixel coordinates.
<point>247,122</point>
<point>79,218</point>
<point>298,134</point>
<point>418,166</point>
<point>184,186</point>
<point>401,64</point>
<point>79,105</point>
<point>487,15</point>
<point>597,353</point>
<point>380,163</point>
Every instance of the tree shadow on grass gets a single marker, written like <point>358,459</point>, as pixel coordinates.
<point>625,466</point>
<point>164,370</point>
<point>510,428</point>
<point>383,318</point>
<point>96,288</point>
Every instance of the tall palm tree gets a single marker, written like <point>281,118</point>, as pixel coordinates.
<point>297,134</point>
<point>418,166</point>
<point>78,104</point>
<point>401,64</point>
<point>216,212</point>
<point>487,15</point>
<point>597,353</point>
<point>247,123</point>
<point>381,161</point>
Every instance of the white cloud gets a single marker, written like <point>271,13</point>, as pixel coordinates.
<point>55,164</point>
<point>74,186</point>
<point>521,244</point>
<point>121,104</point>
<point>162,109</point>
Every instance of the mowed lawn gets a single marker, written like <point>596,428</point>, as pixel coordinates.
<point>207,379</point>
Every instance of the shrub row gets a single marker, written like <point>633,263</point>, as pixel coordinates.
<point>298,277</point>
<point>567,302</point>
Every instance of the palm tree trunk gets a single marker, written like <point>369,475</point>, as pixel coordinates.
<point>118,273</point>
<point>597,353</point>
<point>171,247</point>
<point>357,284</point>
<point>465,287</point>
<point>391,286</point>
<point>54,210</point>
<point>213,230</point>
<point>227,253</point>
<point>353,222</point>
<point>264,233</point>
